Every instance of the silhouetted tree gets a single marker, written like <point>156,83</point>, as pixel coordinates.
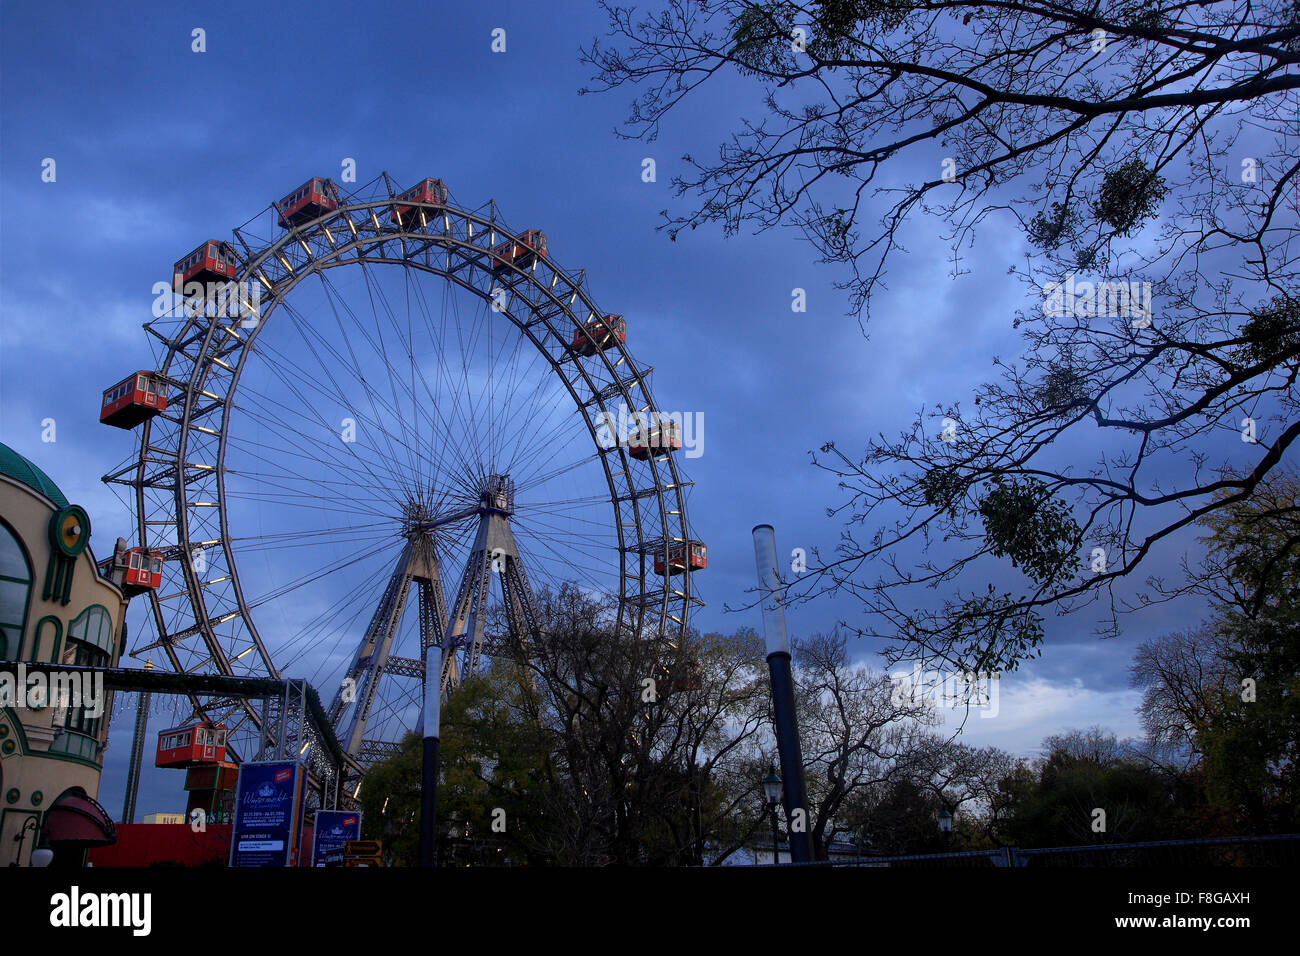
<point>1128,143</point>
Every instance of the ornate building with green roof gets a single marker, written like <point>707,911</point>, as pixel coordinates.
<point>55,609</point>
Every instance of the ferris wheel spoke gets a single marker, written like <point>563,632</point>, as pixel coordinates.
<point>393,380</point>
<point>281,368</point>
<point>544,390</point>
<point>307,504</point>
<point>364,497</point>
<point>546,450</point>
<point>521,436</point>
<point>278,477</point>
<point>356,541</point>
<point>530,557</point>
<point>411,364</point>
<point>503,392</point>
<point>538,480</point>
<point>330,567</point>
<point>560,504</point>
<point>597,546</point>
<point>467,335</point>
<point>411,296</point>
<point>493,398</point>
<point>439,441</point>
<point>328,485</point>
<point>317,490</point>
<point>312,637</point>
<point>375,292</point>
<point>464,409</point>
<point>445,441</point>
<point>262,412</point>
<point>532,518</point>
<point>356,371</point>
<point>296,536</point>
<point>455,424</point>
<point>315,343</point>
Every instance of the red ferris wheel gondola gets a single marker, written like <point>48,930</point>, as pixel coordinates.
<point>431,191</point>
<point>645,443</point>
<point>682,554</point>
<point>141,569</point>
<point>520,253</point>
<point>313,199</point>
<point>201,743</point>
<point>140,396</point>
<point>213,262</point>
<point>598,334</point>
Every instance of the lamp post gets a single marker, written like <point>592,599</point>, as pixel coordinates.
<point>41,853</point>
<point>28,826</point>
<point>429,754</point>
<point>783,707</point>
<point>945,827</point>
<point>772,793</point>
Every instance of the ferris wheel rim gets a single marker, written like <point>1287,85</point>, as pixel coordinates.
<point>566,319</point>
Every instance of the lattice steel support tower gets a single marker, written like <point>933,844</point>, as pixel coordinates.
<point>494,553</point>
<point>137,751</point>
<point>417,565</point>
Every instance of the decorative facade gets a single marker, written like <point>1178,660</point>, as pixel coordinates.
<point>56,609</point>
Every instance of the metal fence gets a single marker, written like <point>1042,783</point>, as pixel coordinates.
<point>1278,850</point>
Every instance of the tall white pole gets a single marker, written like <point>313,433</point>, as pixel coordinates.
<point>429,757</point>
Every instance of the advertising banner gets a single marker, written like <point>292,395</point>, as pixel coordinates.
<point>333,829</point>
<point>268,814</point>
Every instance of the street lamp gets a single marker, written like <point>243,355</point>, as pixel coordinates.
<point>41,853</point>
<point>772,793</point>
<point>945,826</point>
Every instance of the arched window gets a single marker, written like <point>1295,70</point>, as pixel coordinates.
<point>89,643</point>
<point>15,588</point>
<point>43,649</point>
<point>93,630</point>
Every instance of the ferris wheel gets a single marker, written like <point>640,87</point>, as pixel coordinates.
<point>374,399</point>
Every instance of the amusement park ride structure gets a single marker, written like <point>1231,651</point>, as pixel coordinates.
<point>203,619</point>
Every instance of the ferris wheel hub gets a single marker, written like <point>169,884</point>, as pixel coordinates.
<point>498,494</point>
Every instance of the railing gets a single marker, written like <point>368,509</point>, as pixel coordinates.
<point>1276,850</point>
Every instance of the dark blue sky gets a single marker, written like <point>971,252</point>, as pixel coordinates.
<point>158,148</point>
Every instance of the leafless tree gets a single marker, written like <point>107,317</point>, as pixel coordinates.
<point>863,733</point>
<point>1130,143</point>
<point>1184,677</point>
<point>654,748</point>
<point>856,730</point>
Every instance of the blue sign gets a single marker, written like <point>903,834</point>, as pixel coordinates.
<point>268,812</point>
<point>333,829</point>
